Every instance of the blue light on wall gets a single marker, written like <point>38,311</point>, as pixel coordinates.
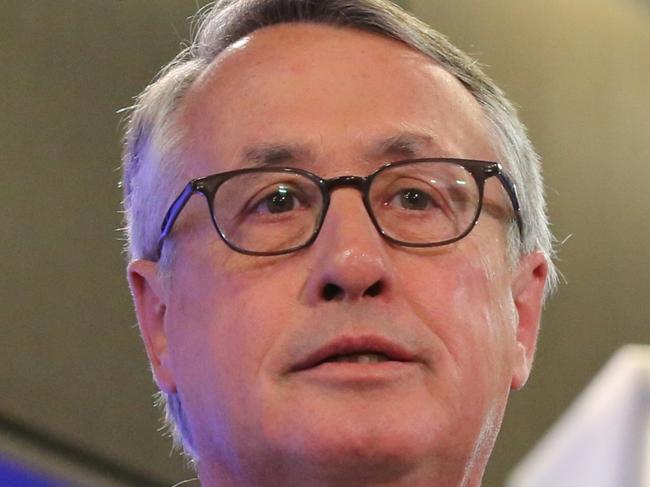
<point>16,475</point>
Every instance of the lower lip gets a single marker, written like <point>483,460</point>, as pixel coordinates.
<point>360,374</point>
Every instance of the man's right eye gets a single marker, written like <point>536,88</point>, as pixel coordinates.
<point>281,200</point>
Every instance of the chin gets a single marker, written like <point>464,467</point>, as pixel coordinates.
<point>372,442</point>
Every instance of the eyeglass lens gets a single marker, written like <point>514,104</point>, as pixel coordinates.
<point>420,203</point>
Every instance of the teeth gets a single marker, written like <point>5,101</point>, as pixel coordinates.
<point>368,358</point>
<point>360,358</point>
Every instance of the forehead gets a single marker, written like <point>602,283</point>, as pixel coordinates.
<point>327,92</point>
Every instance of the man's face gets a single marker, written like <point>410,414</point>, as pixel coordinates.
<point>246,341</point>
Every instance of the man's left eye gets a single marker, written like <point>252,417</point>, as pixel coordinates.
<point>412,199</point>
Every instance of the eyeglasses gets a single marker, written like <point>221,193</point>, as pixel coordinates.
<point>415,203</point>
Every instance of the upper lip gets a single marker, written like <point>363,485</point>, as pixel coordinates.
<point>355,344</point>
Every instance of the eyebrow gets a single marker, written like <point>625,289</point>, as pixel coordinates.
<point>404,145</point>
<point>274,154</point>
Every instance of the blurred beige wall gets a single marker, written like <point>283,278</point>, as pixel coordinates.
<point>72,364</point>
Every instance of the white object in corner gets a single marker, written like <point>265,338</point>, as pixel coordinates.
<point>603,440</point>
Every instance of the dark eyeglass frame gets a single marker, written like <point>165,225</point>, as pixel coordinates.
<point>208,186</point>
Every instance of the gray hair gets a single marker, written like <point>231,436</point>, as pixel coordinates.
<point>153,139</point>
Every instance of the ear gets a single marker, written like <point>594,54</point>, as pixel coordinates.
<point>148,296</point>
<point>528,284</point>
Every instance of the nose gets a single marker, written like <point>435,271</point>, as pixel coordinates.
<point>350,258</point>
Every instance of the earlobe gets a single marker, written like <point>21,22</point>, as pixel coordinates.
<point>150,308</point>
<point>528,294</point>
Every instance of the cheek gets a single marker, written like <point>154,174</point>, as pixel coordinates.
<point>467,305</point>
<point>222,322</point>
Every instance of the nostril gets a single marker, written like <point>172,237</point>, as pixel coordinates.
<point>331,291</point>
<point>374,290</point>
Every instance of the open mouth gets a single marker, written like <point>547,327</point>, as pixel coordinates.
<point>358,357</point>
<point>355,350</point>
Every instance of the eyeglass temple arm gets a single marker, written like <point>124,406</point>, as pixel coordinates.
<point>511,189</point>
<point>173,212</point>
